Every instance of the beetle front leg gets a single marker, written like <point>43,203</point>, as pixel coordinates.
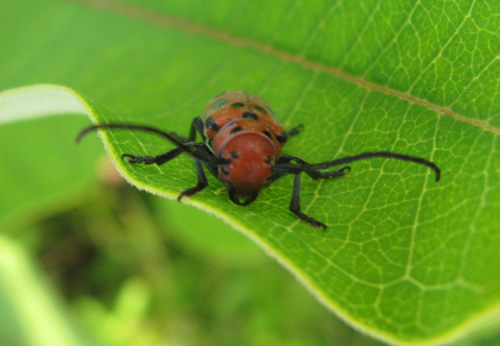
<point>199,148</point>
<point>295,205</point>
<point>159,159</point>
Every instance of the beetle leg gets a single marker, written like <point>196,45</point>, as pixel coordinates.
<point>315,174</point>
<point>295,205</point>
<point>202,181</point>
<point>197,126</point>
<point>159,159</point>
<point>200,149</point>
<point>283,137</point>
<point>327,175</point>
<point>295,131</point>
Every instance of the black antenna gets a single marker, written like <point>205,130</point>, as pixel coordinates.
<point>293,168</point>
<point>187,149</point>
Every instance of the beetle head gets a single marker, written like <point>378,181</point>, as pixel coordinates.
<point>252,156</point>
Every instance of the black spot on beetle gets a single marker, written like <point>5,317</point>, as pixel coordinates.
<point>234,154</point>
<point>260,109</point>
<point>250,115</point>
<point>218,104</point>
<point>238,105</point>
<point>211,124</point>
<point>267,133</point>
<point>225,170</point>
<point>236,129</point>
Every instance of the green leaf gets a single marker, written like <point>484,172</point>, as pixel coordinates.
<point>404,258</point>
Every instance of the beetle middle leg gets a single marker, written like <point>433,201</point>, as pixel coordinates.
<point>196,127</point>
<point>295,205</point>
<point>284,166</point>
<point>202,181</point>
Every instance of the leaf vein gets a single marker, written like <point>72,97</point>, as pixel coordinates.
<point>219,35</point>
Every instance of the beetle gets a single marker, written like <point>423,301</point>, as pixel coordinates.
<point>242,141</point>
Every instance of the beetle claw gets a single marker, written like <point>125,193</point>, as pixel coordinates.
<point>139,159</point>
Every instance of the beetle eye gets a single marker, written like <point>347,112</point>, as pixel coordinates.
<point>225,170</point>
<point>268,159</point>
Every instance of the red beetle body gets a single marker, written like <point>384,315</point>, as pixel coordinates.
<point>243,128</point>
<point>242,147</point>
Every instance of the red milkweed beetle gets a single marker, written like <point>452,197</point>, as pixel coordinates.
<point>242,140</point>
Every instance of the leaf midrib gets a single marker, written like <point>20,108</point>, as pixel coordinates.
<point>223,36</point>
